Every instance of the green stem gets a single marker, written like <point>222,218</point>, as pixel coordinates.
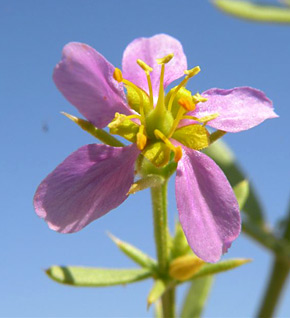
<point>280,247</point>
<point>280,272</point>
<point>168,303</point>
<point>273,292</point>
<point>159,204</point>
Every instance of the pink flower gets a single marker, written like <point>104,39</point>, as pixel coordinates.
<point>96,178</point>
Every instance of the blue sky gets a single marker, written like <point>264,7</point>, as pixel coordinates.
<point>230,53</point>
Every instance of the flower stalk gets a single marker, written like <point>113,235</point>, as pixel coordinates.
<point>161,232</point>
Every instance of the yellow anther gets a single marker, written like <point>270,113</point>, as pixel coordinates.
<point>189,74</point>
<point>194,71</point>
<point>165,59</point>
<point>144,66</point>
<point>178,154</point>
<point>118,75</point>
<point>197,98</point>
<point>141,138</point>
<point>186,104</point>
<point>119,118</point>
<point>177,150</point>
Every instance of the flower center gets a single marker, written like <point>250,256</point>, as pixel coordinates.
<point>153,127</point>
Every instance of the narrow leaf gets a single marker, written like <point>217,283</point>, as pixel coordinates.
<point>156,292</point>
<point>242,191</point>
<point>134,253</point>
<point>254,12</point>
<point>210,269</point>
<point>95,277</point>
<point>224,157</point>
<point>196,297</point>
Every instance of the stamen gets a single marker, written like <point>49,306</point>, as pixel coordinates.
<point>119,78</point>
<point>144,66</point>
<point>119,118</point>
<point>204,119</point>
<point>165,59</point>
<point>118,75</point>
<point>147,70</point>
<point>197,98</point>
<point>186,104</point>
<point>177,150</point>
<point>194,71</point>
<point>189,74</point>
<point>141,138</point>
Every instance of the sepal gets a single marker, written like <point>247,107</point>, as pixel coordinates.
<point>156,292</point>
<point>150,181</point>
<point>124,127</point>
<point>242,192</point>
<point>193,136</point>
<point>179,246</point>
<point>157,153</point>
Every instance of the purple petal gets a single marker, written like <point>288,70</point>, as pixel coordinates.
<point>148,50</point>
<point>86,185</point>
<point>240,108</point>
<point>85,78</point>
<point>208,209</point>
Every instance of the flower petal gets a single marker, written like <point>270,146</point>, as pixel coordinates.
<point>89,183</point>
<point>85,78</point>
<point>240,108</point>
<point>208,209</point>
<point>148,50</point>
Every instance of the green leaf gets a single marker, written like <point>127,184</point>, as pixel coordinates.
<point>224,157</point>
<point>210,269</point>
<point>156,292</point>
<point>95,277</point>
<point>196,297</point>
<point>242,192</point>
<point>254,12</point>
<point>135,254</point>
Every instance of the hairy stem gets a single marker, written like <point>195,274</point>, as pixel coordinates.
<point>159,204</point>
